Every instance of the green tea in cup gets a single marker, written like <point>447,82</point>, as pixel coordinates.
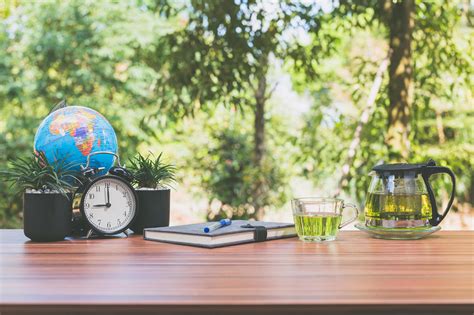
<point>319,219</point>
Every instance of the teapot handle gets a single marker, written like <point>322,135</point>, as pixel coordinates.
<point>436,218</point>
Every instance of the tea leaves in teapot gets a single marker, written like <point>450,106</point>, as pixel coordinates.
<point>397,206</point>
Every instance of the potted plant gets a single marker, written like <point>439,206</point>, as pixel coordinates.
<point>47,196</point>
<point>152,179</point>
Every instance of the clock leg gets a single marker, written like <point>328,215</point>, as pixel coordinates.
<point>90,233</point>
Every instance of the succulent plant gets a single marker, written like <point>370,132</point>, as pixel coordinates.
<point>150,171</point>
<point>36,173</point>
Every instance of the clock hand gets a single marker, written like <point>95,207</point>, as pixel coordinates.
<point>108,196</point>
<point>104,205</point>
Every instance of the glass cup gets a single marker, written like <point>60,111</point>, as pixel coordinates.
<point>319,219</point>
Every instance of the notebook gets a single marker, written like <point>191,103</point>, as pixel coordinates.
<point>236,233</point>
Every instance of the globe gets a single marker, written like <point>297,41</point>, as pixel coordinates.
<point>71,133</point>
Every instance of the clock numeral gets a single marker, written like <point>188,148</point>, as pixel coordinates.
<point>125,213</point>
<point>108,224</point>
<point>129,204</point>
<point>119,222</point>
<point>116,187</point>
<point>91,196</point>
<point>125,194</point>
<point>99,221</point>
<point>87,205</point>
<point>91,215</point>
<point>97,188</point>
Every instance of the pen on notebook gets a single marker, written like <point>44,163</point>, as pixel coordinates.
<point>217,225</point>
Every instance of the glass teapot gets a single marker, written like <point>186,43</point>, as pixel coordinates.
<point>400,196</point>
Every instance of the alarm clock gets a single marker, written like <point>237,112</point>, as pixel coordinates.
<point>107,204</point>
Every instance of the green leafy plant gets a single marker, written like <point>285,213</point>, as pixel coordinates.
<point>150,171</point>
<point>36,173</point>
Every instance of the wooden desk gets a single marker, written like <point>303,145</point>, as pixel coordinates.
<point>355,274</point>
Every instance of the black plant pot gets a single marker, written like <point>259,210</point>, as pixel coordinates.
<point>154,209</point>
<point>47,216</point>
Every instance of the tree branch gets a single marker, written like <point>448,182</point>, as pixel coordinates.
<point>364,118</point>
<point>269,94</point>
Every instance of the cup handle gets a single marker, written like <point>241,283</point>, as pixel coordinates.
<point>349,205</point>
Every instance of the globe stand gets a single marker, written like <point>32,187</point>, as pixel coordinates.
<point>91,234</point>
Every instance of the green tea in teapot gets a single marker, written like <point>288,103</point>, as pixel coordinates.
<point>400,196</point>
<point>397,207</point>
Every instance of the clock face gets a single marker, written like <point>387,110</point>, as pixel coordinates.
<point>109,205</point>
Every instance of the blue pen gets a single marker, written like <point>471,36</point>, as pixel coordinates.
<point>217,225</point>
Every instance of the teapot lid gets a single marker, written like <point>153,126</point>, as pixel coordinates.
<point>398,168</point>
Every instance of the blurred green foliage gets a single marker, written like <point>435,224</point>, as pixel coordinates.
<point>128,61</point>
<point>442,124</point>
<point>222,164</point>
<point>88,52</point>
<point>228,47</point>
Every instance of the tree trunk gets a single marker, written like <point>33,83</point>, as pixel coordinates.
<point>401,24</point>
<point>261,98</point>
<point>259,123</point>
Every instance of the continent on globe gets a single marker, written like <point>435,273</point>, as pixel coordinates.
<point>80,127</point>
<point>72,133</point>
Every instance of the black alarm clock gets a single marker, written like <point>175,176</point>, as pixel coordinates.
<point>104,204</point>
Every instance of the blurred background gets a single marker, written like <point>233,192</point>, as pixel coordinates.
<point>254,101</point>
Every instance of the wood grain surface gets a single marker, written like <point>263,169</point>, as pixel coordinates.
<point>354,274</point>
